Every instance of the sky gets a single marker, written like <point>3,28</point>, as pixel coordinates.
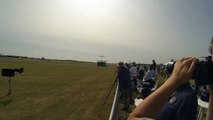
<point>119,30</point>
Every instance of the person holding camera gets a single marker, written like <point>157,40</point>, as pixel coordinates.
<point>152,105</point>
<point>150,108</point>
<point>209,115</point>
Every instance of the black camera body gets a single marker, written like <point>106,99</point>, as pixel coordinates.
<point>7,72</point>
<point>203,73</point>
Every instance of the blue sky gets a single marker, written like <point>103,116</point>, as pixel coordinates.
<point>120,30</point>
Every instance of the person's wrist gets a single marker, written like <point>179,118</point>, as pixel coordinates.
<point>174,81</point>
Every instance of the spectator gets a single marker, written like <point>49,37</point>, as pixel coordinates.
<point>154,65</point>
<point>150,74</point>
<point>141,73</point>
<point>133,70</point>
<point>124,79</point>
<point>134,74</point>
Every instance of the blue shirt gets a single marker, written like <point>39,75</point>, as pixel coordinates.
<point>182,105</point>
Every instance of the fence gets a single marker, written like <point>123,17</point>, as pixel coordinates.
<point>114,109</point>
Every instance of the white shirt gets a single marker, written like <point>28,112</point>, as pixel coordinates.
<point>133,71</point>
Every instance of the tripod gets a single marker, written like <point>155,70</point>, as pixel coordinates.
<point>109,93</point>
<point>10,87</point>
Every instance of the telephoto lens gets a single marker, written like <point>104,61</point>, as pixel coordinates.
<point>203,73</point>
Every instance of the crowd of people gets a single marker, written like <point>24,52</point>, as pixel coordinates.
<point>130,76</point>
<point>173,100</point>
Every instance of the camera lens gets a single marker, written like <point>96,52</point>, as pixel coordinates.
<point>170,67</point>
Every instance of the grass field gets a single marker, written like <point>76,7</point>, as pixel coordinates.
<point>56,90</point>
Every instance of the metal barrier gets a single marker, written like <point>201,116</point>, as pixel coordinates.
<point>114,109</point>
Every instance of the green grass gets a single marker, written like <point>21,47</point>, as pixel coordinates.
<point>56,90</point>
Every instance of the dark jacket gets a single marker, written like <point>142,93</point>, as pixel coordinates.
<point>124,79</point>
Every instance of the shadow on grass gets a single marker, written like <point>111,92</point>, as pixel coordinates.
<point>5,102</point>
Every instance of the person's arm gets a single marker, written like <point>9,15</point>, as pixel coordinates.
<point>210,108</point>
<point>150,107</point>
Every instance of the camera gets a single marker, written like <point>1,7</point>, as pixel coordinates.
<point>11,72</point>
<point>203,73</point>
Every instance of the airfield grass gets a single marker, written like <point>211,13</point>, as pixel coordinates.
<point>56,90</point>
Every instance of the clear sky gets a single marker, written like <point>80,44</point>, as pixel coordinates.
<point>120,30</point>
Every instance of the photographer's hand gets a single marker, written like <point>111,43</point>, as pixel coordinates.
<point>183,70</point>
